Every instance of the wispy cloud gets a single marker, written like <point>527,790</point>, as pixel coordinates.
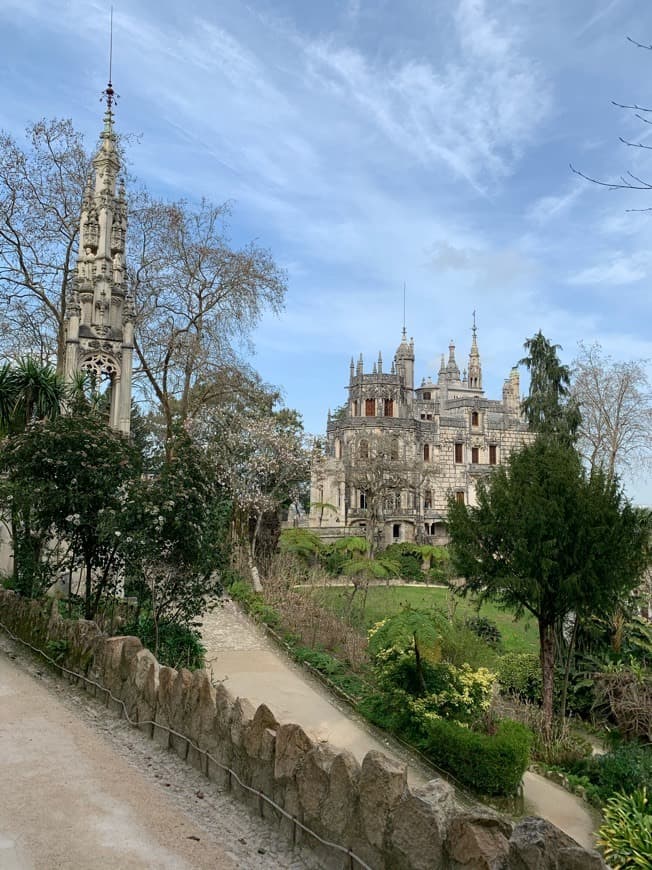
<point>620,269</point>
<point>547,208</point>
<point>473,117</point>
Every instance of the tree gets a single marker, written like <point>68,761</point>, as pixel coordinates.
<point>380,475</point>
<point>197,296</point>
<point>65,474</point>
<point>29,391</point>
<point>549,539</point>
<point>172,527</point>
<point>263,459</point>
<point>616,404</point>
<point>41,189</point>
<point>197,300</point>
<point>548,408</point>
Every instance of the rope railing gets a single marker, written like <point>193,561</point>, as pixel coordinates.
<point>262,797</point>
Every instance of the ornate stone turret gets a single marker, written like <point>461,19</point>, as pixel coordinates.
<point>512,392</point>
<point>475,367</point>
<point>405,361</point>
<point>452,370</point>
<point>100,311</point>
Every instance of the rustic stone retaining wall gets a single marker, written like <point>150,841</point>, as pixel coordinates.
<point>366,807</point>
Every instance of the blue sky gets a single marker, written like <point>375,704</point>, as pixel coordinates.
<point>370,144</point>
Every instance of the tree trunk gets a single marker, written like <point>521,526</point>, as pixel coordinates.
<point>547,642</point>
<point>569,657</point>
<point>420,677</point>
<point>88,604</point>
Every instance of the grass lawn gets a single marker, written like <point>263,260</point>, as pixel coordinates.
<point>518,635</point>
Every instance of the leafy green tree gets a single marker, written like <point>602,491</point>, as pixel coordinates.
<point>65,474</point>
<point>548,408</point>
<point>548,539</point>
<point>172,527</point>
<point>29,391</point>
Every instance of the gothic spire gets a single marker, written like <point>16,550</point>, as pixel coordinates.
<point>100,312</point>
<point>475,367</point>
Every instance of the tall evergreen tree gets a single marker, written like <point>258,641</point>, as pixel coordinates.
<point>548,407</point>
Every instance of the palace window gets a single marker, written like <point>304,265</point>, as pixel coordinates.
<point>475,418</point>
<point>338,449</point>
<point>426,452</point>
<point>459,452</point>
<point>427,499</point>
<point>394,449</point>
<point>363,451</point>
<point>426,397</point>
<point>459,497</point>
<point>475,455</point>
<point>389,407</point>
<point>370,407</point>
<point>396,530</point>
<point>493,454</point>
<point>363,501</point>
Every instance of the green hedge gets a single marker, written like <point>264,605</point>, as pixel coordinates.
<point>519,674</point>
<point>491,764</point>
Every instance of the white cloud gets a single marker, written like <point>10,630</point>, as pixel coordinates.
<point>473,116</point>
<point>546,208</point>
<point>619,270</point>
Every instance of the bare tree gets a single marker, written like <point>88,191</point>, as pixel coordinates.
<point>616,409</point>
<point>378,472</point>
<point>197,296</point>
<point>41,189</point>
<point>197,300</point>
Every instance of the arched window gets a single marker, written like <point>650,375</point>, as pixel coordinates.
<point>475,418</point>
<point>370,407</point>
<point>338,449</point>
<point>363,451</point>
<point>426,452</point>
<point>394,449</point>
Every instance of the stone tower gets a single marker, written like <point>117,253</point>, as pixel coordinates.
<point>475,367</point>
<point>100,311</point>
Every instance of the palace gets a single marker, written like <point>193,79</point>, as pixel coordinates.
<point>395,453</point>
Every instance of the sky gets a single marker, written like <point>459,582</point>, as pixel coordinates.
<point>372,144</point>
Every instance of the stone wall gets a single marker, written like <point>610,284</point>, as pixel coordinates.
<point>366,807</point>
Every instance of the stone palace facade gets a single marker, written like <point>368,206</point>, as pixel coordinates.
<point>399,451</point>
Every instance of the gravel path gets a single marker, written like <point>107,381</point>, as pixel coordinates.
<point>88,790</point>
<point>238,652</point>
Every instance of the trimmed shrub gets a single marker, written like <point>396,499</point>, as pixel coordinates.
<point>491,764</point>
<point>626,835</point>
<point>519,674</point>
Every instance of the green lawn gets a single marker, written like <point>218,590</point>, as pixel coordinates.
<point>518,635</point>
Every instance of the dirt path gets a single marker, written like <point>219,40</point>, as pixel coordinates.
<point>80,788</point>
<point>239,653</point>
